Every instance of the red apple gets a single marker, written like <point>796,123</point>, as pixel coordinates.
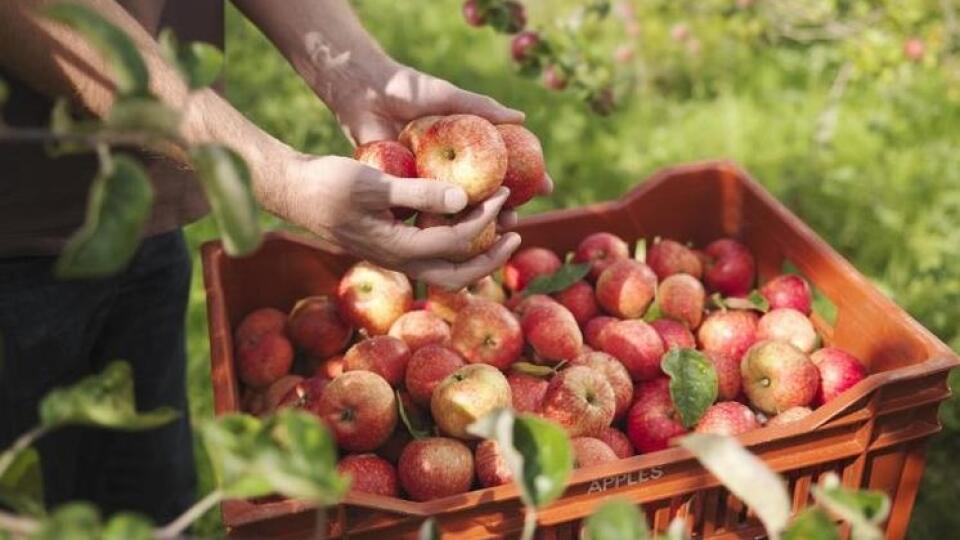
<point>626,288</point>
<point>524,45</point>
<point>554,78</point>
<point>392,158</point>
<point>467,395</point>
<point>593,330</point>
<point>331,368</point>
<point>839,370</point>
<point>263,360</point>
<point>551,331</point>
<point>667,258</point>
<point>617,441</point>
<point>412,134</point>
<point>579,399</point>
<point>434,468</point>
<point>527,264</point>
<point>730,332</point>
<point>590,451</point>
<point>370,473</point>
<point>473,14</point>
<point>361,410</point>
<point>638,347</point>
<point>516,17</point>
<point>653,420</point>
<point>373,298</point>
<point>616,375</point>
<point>478,245</point>
<point>276,392</point>
<point>427,367</point>
<point>727,418</point>
<point>253,401</point>
<point>733,269</point>
<point>527,391</point>
<point>492,468</point>
<point>681,297</point>
<point>259,322</point>
<point>790,415</point>
<point>420,328</point>
<point>487,332</point>
<point>777,376</point>
<point>316,328</point>
<point>913,49</point>
<point>487,288</point>
<point>305,395</point>
<point>787,324</point>
<point>465,150</point>
<point>674,334</point>
<point>525,166</point>
<point>601,250</point>
<point>580,300</point>
<point>386,356</point>
<point>788,291</point>
<point>446,304</point>
<point>728,374</point>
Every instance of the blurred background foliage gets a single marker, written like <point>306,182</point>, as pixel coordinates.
<point>847,110</point>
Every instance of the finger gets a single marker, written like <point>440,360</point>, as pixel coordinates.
<point>409,242</point>
<point>426,195</point>
<point>546,185</point>
<point>370,128</point>
<point>507,219</point>
<point>454,276</point>
<point>457,100</point>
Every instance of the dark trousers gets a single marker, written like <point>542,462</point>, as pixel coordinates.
<point>56,332</point>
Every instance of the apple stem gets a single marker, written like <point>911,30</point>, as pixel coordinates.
<point>529,524</point>
<point>21,444</point>
<point>177,526</point>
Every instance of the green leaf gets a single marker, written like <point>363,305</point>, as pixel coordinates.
<point>536,370</point>
<point>118,207</point>
<point>105,400</point>
<point>745,476</point>
<point>754,301</point>
<point>231,443</point>
<point>198,63</point>
<point>617,519</point>
<point>812,524</point>
<point>63,123</point>
<point>144,114</point>
<point>130,72</point>
<point>640,250</point>
<point>21,486</point>
<point>563,278</point>
<point>226,181</point>
<point>537,451</point>
<point>429,530</point>
<point>824,307</point>
<point>128,526</point>
<point>75,520</point>
<point>414,423</point>
<point>693,383</point>
<point>864,510</point>
<point>653,312</point>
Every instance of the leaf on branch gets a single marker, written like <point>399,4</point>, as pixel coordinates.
<point>562,279</point>
<point>130,71</point>
<point>119,203</point>
<point>105,400</point>
<point>693,383</point>
<point>745,475</point>
<point>21,486</point>
<point>226,180</point>
<point>864,510</point>
<point>144,114</point>
<point>198,63</point>
<point>74,520</point>
<point>617,519</point>
<point>128,526</point>
<point>812,524</point>
<point>230,442</point>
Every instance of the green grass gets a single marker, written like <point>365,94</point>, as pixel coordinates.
<point>883,191</point>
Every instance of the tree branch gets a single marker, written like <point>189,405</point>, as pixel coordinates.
<point>175,527</point>
<point>19,445</point>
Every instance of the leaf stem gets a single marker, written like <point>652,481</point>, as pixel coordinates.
<point>529,524</point>
<point>18,525</point>
<point>175,527</point>
<point>20,445</point>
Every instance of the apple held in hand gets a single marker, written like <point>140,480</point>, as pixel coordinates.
<point>420,328</point>
<point>479,244</point>
<point>778,376</point>
<point>601,250</point>
<point>839,370</point>
<point>590,452</point>
<point>616,375</point>
<point>370,473</point>
<point>465,150</point>
<point>361,410</point>
<point>787,324</point>
<point>729,332</point>
<point>373,298</point>
<point>525,166</point>
<point>486,332</point>
<point>316,328</point>
<point>392,158</point>
<point>653,420</point>
<point>527,264</point>
<point>427,367</point>
<point>667,258</point>
<point>434,468</point>
<point>732,270</point>
<point>412,134</point>
<point>384,355</point>
<point>788,291</point>
<point>581,400</point>
<point>637,346</point>
<point>626,288</point>
<point>727,418</point>
<point>467,395</point>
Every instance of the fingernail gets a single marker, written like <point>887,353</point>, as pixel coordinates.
<point>455,199</point>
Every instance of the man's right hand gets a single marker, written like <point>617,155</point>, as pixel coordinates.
<point>348,203</point>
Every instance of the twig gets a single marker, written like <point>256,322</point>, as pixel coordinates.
<point>18,525</point>
<point>827,121</point>
<point>174,148</point>
<point>175,527</point>
<point>21,444</point>
<point>529,524</point>
<point>320,525</point>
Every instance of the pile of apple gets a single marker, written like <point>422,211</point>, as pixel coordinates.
<point>399,380</point>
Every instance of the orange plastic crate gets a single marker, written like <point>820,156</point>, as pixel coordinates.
<point>873,436</point>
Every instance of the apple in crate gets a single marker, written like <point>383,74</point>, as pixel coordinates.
<point>790,415</point>
<point>593,330</point>
<point>525,166</point>
<point>839,370</point>
<point>590,451</point>
<point>370,473</point>
<point>732,268</point>
<point>316,328</point>
<point>427,367</point>
<point>478,245</point>
<point>668,257</point>
<point>727,418</point>
<point>616,375</point>
<point>617,441</point>
<point>580,400</point>
<point>528,264</point>
<point>434,468</point>
<point>637,346</point>
<point>788,324</point>
<point>360,409</point>
<point>653,421</point>
<point>412,134</point>
<point>788,291</point>
<point>527,391</point>
<point>492,468</point>
<point>580,300</point>
<point>392,158</point>
<point>305,394</point>
<point>386,356</point>
<point>274,394</point>
<point>465,150</point>
<point>486,332</point>
<point>601,249</point>
<point>467,395</point>
<point>728,374</point>
<point>487,288</point>
<point>263,352</point>
<point>674,334</point>
<point>551,330</point>
<point>446,304</point>
<point>626,288</point>
<point>729,332</point>
<point>681,297</point>
<point>778,376</point>
<point>420,328</point>
<point>373,298</point>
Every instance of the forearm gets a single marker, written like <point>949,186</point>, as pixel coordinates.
<point>58,62</point>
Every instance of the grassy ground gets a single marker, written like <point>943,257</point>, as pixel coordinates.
<point>882,190</point>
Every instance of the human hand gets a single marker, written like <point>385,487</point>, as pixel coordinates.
<point>348,204</point>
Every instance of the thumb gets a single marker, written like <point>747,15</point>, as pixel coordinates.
<point>435,196</point>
